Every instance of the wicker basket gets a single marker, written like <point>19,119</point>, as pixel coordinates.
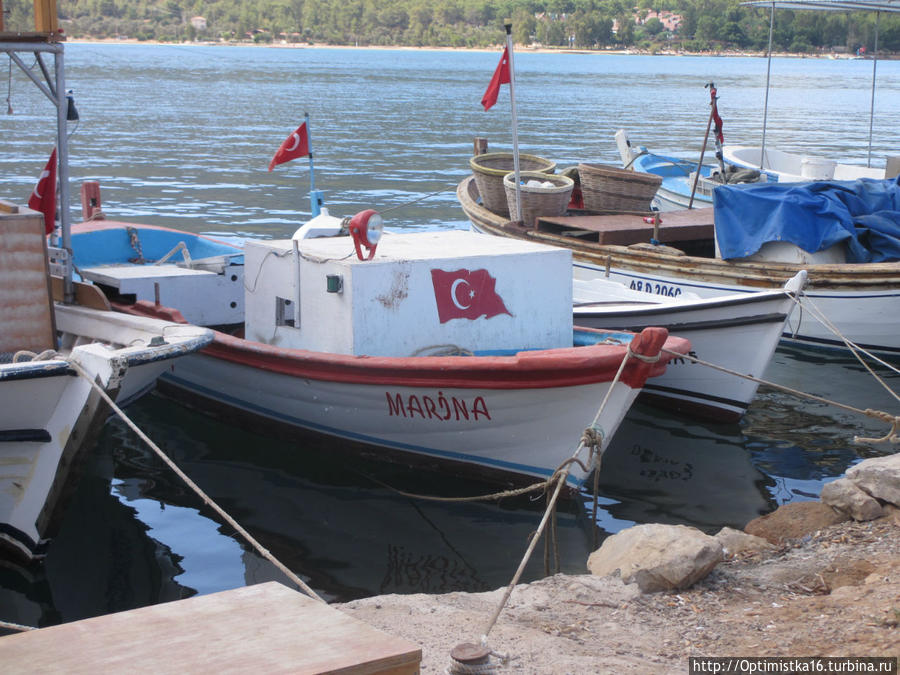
<point>609,188</point>
<point>538,201</point>
<point>489,170</point>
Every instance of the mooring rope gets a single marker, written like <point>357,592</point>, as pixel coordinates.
<point>559,477</point>
<point>206,499</point>
<point>415,201</point>
<point>9,625</point>
<point>892,436</point>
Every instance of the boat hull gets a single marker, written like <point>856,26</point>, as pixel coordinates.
<point>511,432</point>
<point>508,417</point>
<point>739,333</point>
<point>49,413</point>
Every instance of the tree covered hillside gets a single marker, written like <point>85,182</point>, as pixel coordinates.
<point>692,25</point>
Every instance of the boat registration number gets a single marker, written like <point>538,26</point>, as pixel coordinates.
<point>655,288</point>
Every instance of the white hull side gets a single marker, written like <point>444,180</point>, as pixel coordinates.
<point>739,336</point>
<point>66,407</point>
<point>865,317</point>
<point>529,431</point>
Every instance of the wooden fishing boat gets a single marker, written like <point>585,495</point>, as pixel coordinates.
<point>53,359</point>
<point>859,300</point>
<point>358,350</point>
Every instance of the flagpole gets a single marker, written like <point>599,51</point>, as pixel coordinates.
<point>515,135</point>
<point>315,197</point>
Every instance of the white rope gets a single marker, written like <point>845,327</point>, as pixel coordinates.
<point>206,499</point>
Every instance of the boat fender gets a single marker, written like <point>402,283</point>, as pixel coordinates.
<point>647,344</point>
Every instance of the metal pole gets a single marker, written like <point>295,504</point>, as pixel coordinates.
<point>315,197</point>
<point>872,107</point>
<point>515,135</point>
<point>762,149</point>
<point>62,154</point>
<point>700,163</point>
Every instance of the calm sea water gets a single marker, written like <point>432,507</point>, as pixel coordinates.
<point>182,135</point>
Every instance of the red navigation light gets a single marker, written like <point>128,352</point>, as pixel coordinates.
<point>365,228</point>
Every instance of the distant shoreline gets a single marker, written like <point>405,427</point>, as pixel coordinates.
<point>519,49</point>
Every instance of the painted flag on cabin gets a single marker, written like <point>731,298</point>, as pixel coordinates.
<point>294,146</point>
<point>466,294</point>
<point>715,112</point>
<point>501,76</point>
<point>43,198</point>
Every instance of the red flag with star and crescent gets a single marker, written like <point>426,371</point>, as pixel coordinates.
<point>43,198</point>
<point>294,146</point>
<point>466,294</point>
<point>501,76</point>
<point>715,114</point>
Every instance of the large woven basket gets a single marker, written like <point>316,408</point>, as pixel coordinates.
<point>538,200</point>
<point>609,188</point>
<point>489,170</point>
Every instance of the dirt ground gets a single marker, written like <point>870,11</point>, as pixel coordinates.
<point>835,592</point>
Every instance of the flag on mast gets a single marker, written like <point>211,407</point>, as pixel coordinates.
<point>294,146</point>
<point>501,76</point>
<point>43,198</point>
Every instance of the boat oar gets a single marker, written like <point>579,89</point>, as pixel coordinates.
<point>702,153</point>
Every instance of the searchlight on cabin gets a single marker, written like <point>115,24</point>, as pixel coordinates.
<point>365,229</point>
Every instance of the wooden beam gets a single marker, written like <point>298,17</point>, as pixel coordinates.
<point>45,18</point>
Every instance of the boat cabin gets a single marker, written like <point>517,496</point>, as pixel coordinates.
<point>422,294</point>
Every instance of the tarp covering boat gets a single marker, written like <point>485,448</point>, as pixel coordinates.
<point>865,214</point>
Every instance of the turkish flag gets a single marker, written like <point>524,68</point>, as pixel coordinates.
<point>466,294</point>
<point>43,198</point>
<point>501,76</point>
<point>294,146</point>
<point>715,114</point>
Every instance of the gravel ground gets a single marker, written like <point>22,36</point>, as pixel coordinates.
<point>834,592</point>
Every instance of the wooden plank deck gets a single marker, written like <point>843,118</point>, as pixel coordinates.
<point>267,628</point>
<point>626,229</point>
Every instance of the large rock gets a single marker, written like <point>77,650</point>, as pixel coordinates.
<point>879,476</point>
<point>657,557</point>
<point>844,495</point>
<point>735,542</point>
<point>793,521</point>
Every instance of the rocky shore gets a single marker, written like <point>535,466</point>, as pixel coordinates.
<point>809,579</point>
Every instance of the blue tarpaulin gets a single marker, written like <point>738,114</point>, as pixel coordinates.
<point>864,213</point>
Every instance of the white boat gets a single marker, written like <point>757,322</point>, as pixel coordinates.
<point>358,350</point>
<point>786,167</point>
<point>51,356</point>
<point>737,332</point>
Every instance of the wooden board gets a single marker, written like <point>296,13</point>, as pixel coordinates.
<point>86,295</point>
<point>266,628</point>
<point>26,314</point>
<point>627,229</point>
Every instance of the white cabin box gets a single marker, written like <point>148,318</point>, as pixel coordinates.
<point>422,292</point>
